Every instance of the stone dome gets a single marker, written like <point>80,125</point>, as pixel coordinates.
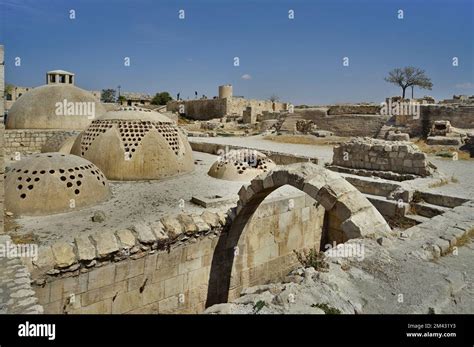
<point>61,142</point>
<point>39,108</point>
<point>53,183</point>
<point>241,165</point>
<point>135,144</point>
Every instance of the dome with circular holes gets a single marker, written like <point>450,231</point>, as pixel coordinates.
<point>241,165</point>
<point>54,106</point>
<point>53,183</point>
<point>135,144</point>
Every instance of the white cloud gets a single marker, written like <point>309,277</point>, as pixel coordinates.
<point>466,85</point>
<point>246,77</point>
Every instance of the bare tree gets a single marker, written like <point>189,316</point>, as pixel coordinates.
<point>409,77</point>
<point>274,98</point>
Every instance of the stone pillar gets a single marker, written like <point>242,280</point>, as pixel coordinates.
<point>56,79</point>
<point>249,117</point>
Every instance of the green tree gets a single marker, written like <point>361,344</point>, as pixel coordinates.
<point>121,99</point>
<point>409,77</point>
<point>107,95</point>
<point>161,98</point>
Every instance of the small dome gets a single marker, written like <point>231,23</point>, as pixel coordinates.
<point>135,144</point>
<point>53,183</point>
<point>241,165</point>
<point>61,142</point>
<point>54,106</point>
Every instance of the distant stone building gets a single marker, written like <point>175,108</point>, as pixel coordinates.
<point>135,99</point>
<point>224,105</point>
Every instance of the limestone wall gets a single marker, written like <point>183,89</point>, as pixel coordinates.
<point>354,109</point>
<point>165,268</point>
<point>200,109</point>
<point>27,140</point>
<point>460,116</point>
<point>238,105</point>
<point>344,124</point>
<point>372,154</point>
<point>277,157</point>
<point>206,109</point>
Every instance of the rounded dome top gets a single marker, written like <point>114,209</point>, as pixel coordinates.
<point>135,144</point>
<point>135,113</point>
<point>54,106</point>
<point>53,183</point>
<point>241,165</point>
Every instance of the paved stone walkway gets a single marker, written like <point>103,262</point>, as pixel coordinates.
<point>16,295</point>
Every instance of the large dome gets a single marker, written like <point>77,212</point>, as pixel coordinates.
<point>135,144</point>
<point>53,183</point>
<point>54,106</point>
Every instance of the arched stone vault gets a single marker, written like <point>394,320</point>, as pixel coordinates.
<point>359,218</point>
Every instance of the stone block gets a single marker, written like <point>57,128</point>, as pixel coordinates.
<point>126,238</point>
<point>64,255</point>
<point>85,248</point>
<point>106,243</point>
<point>144,233</point>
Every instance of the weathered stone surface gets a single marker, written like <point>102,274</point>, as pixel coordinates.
<point>201,225</point>
<point>144,233</point>
<point>85,248</point>
<point>63,254</point>
<point>159,231</point>
<point>172,227</point>
<point>189,227</point>
<point>210,218</point>
<point>106,243</point>
<point>126,238</point>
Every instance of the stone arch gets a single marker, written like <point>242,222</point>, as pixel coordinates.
<point>359,218</point>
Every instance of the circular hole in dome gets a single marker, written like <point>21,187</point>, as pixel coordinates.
<point>69,184</point>
<point>70,170</point>
<point>63,178</point>
<point>42,172</point>
<point>80,175</point>
<point>28,179</point>
<point>61,170</point>
<point>72,177</point>
<point>23,196</point>
<point>37,179</point>
<point>133,149</point>
<point>78,183</point>
<point>50,156</point>
<point>19,178</point>
<point>76,191</point>
<point>30,187</point>
<point>103,183</point>
<point>20,187</point>
<point>51,171</point>
<point>26,171</point>
<point>34,172</point>
<point>18,170</point>
<point>76,168</point>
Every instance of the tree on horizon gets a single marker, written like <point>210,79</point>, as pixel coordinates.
<point>409,76</point>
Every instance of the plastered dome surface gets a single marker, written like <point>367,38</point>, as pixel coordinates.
<point>53,183</point>
<point>241,165</point>
<point>135,144</point>
<point>38,108</point>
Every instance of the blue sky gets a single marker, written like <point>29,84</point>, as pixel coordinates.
<point>300,60</point>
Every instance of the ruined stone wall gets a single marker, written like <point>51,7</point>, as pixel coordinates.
<point>344,124</point>
<point>166,270</point>
<point>200,109</point>
<point>238,105</point>
<point>217,108</point>
<point>372,154</point>
<point>27,140</point>
<point>354,109</point>
<point>2,132</point>
<point>460,116</point>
